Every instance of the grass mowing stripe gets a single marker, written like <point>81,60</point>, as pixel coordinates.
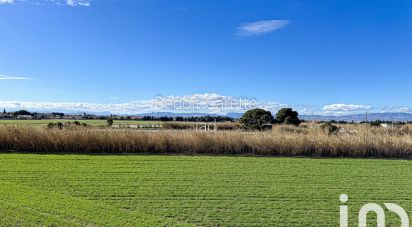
<point>51,208</point>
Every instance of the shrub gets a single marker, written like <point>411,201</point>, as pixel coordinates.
<point>109,122</point>
<point>376,123</point>
<point>256,119</point>
<point>329,128</point>
<point>51,125</point>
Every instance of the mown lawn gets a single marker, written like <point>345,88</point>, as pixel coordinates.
<point>44,122</point>
<point>185,190</point>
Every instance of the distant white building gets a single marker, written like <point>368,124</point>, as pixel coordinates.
<point>24,117</point>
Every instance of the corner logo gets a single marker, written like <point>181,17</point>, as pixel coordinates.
<point>372,207</point>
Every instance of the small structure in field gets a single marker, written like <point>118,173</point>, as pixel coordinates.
<point>24,117</point>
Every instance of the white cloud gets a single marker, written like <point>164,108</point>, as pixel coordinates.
<point>404,109</point>
<point>260,27</point>
<point>6,1</point>
<point>78,2</point>
<point>344,108</point>
<point>271,106</point>
<point>121,108</point>
<point>6,77</point>
<point>196,103</point>
<point>396,109</point>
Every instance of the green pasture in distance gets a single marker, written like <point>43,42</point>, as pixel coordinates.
<point>89,122</point>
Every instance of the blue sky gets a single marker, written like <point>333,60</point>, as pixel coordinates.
<point>330,57</point>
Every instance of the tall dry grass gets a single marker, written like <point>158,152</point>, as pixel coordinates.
<point>358,141</point>
<point>197,125</point>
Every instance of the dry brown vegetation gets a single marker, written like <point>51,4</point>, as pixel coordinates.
<point>195,125</point>
<point>308,140</point>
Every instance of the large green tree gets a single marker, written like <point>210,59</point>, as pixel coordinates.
<point>256,119</point>
<point>21,112</point>
<point>288,116</point>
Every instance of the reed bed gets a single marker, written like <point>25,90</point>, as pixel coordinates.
<point>199,125</point>
<point>359,141</point>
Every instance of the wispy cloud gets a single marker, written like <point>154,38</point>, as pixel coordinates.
<point>396,109</point>
<point>6,77</point>
<point>210,103</point>
<point>6,1</point>
<point>78,2</point>
<point>260,27</point>
<point>57,2</point>
<point>339,109</point>
<point>195,103</point>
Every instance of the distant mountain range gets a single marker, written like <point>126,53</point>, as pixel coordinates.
<point>170,114</point>
<point>350,117</point>
<point>361,117</point>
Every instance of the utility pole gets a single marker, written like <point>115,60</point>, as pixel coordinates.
<point>366,117</point>
<point>313,117</point>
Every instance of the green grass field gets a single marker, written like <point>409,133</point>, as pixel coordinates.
<point>89,122</point>
<point>204,191</point>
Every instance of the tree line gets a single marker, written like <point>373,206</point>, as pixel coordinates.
<point>190,119</point>
<point>260,119</point>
